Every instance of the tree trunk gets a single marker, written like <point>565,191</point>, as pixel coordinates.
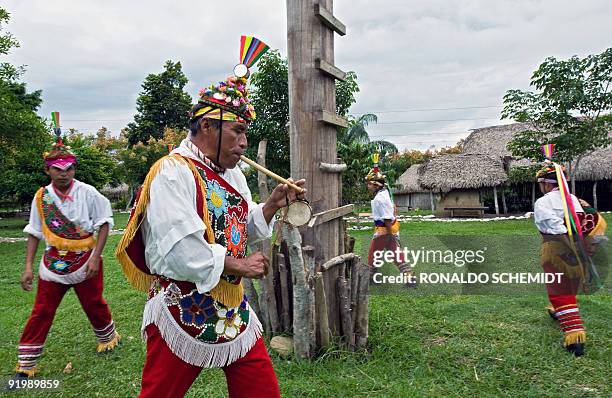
<point>595,195</point>
<point>495,200</point>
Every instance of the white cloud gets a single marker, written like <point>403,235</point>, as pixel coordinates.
<point>90,57</point>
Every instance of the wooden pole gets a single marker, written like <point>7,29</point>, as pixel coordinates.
<point>533,195</point>
<point>285,318</point>
<point>309,267</point>
<point>361,326</point>
<point>503,193</point>
<point>495,200</point>
<point>301,306</point>
<point>323,332</point>
<point>312,134</point>
<point>431,201</point>
<point>595,195</point>
<point>345,311</point>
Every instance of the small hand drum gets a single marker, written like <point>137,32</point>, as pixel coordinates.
<point>297,213</point>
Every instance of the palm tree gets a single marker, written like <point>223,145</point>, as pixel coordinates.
<point>357,134</point>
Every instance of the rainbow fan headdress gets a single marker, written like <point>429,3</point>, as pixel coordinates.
<point>229,100</point>
<point>251,49</point>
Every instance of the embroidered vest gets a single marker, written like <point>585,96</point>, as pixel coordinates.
<point>69,246</point>
<point>200,328</point>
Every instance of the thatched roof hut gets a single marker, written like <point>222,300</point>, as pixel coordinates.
<point>492,141</point>
<point>596,167</point>
<point>409,181</point>
<point>462,171</point>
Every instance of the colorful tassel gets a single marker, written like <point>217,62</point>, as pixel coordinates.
<point>55,116</point>
<point>548,150</point>
<point>251,49</point>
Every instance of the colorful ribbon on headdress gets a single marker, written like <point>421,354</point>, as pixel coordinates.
<point>215,113</point>
<point>251,49</point>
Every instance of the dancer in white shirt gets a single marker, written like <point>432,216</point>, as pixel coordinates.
<point>74,220</point>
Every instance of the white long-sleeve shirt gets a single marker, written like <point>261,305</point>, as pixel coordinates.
<point>548,213</point>
<point>382,206</point>
<point>173,231</point>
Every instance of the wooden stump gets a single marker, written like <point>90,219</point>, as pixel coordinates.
<point>361,325</point>
<point>323,332</point>
<point>301,306</point>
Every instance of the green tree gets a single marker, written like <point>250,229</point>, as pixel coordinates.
<point>137,160</point>
<point>357,132</point>
<point>161,104</point>
<point>23,134</point>
<point>270,97</point>
<point>8,72</point>
<point>94,166</point>
<point>571,109</point>
<point>356,149</point>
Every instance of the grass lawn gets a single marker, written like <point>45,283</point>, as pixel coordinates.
<point>430,345</point>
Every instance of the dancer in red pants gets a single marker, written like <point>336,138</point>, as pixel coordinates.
<point>561,254</point>
<point>186,244</point>
<point>66,214</point>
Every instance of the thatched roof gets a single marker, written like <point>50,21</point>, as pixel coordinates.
<point>462,171</point>
<point>409,181</point>
<point>596,166</point>
<point>492,141</point>
<point>119,189</point>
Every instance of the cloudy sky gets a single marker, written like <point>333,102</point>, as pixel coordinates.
<point>430,69</point>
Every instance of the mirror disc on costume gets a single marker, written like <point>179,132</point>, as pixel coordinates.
<point>241,70</point>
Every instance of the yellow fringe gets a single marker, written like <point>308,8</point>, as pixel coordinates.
<point>138,279</point>
<point>578,336</point>
<point>56,240</point>
<point>227,293</point>
<point>103,347</point>
<point>28,372</point>
<point>554,252</point>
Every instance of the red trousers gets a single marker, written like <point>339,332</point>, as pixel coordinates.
<point>166,375</point>
<point>48,297</point>
<point>562,296</point>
